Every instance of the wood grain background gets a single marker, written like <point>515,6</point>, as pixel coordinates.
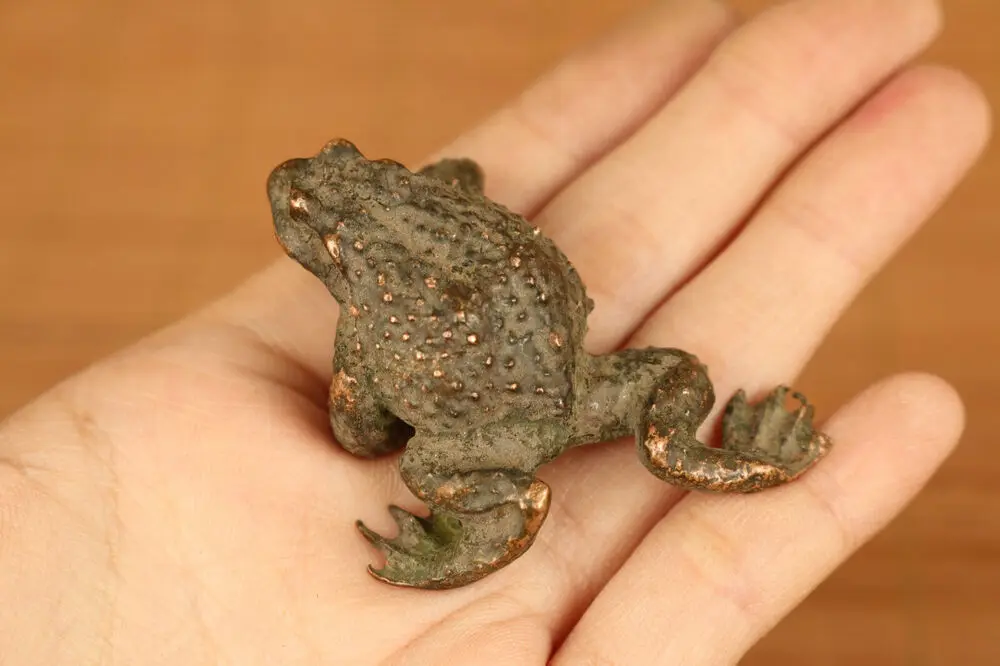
<point>135,136</point>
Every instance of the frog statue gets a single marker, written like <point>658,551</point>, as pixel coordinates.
<point>460,340</point>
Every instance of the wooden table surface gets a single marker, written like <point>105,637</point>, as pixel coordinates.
<point>135,136</point>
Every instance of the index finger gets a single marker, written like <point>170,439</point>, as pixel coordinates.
<point>528,150</point>
<point>591,101</point>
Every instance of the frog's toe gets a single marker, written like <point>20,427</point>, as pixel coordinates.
<point>447,549</point>
<point>413,557</point>
<point>771,433</point>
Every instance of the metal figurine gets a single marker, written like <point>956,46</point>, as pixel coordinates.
<point>460,339</point>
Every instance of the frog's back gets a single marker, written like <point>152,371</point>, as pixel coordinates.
<point>474,314</point>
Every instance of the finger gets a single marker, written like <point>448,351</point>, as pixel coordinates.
<point>719,571</point>
<point>829,228</point>
<point>665,200</point>
<point>757,314</point>
<point>528,150</point>
<point>591,101</point>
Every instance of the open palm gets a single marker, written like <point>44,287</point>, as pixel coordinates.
<point>722,188</point>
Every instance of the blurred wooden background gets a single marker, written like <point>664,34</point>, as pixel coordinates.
<point>135,137</point>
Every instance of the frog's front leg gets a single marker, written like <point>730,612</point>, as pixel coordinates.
<point>665,395</point>
<point>457,171</point>
<point>360,423</point>
<point>486,504</point>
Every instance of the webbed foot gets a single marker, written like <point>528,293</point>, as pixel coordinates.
<point>450,549</point>
<point>773,435</point>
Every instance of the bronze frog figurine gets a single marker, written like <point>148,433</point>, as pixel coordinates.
<point>460,339</point>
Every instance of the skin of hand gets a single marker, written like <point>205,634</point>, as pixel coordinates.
<point>723,186</point>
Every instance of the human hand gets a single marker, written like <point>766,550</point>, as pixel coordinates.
<point>182,502</point>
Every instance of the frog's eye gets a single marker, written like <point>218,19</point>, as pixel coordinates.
<point>298,205</point>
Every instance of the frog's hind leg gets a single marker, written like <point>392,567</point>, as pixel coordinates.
<point>486,505</point>
<point>457,171</point>
<point>667,396</point>
<point>763,445</point>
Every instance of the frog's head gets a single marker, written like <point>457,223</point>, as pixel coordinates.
<point>319,207</point>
